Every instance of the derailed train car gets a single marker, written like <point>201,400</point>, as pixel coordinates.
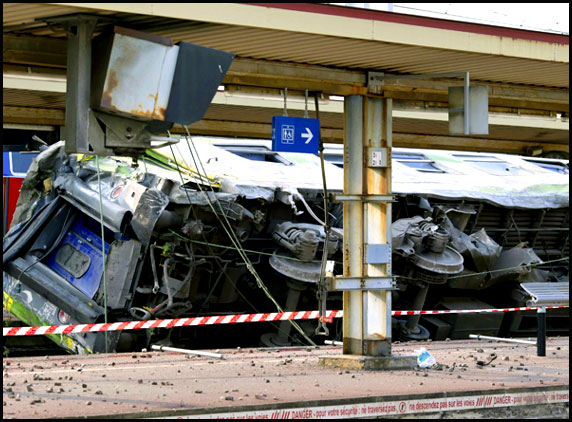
<point>193,229</point>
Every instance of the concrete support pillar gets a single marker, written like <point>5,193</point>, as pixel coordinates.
<point>367,224</point>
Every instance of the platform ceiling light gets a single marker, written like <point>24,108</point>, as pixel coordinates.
<point>270,94</point>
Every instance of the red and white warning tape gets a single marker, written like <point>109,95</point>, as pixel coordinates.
<point>472,311</point>
<point>223,319</point>
<point>166,323</point>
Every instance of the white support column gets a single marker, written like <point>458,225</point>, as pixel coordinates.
<point>353,223</point>
<point>367,224</point>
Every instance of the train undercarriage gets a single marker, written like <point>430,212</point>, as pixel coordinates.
<point>185,236</point>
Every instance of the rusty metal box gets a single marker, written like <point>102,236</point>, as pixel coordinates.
<point>132,73</point>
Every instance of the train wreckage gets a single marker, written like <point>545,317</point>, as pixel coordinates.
<point>196,229</point>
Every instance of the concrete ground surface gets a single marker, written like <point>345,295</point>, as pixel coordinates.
<point>144,383</point>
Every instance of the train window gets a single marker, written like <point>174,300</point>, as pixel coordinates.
<point>491,164</point>
<point>417,161</point>
<point>257,154</point>
<point>335,159</point>
<point>552,166</point>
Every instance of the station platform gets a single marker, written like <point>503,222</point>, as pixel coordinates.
<point>471,379</point>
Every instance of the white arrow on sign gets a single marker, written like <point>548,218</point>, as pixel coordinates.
<point>308,135</point>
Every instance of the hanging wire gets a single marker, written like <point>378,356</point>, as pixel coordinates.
<point>291,258</point>
<point>245,258</point>
<point>321,292</point>
<point>208,245</point>
<point>145,165</point>
<point>102,247</point>
<point>310,211</point>
<point>535,264</point>
<point>515,226</point>
<point>285,112</point>
<point>234,240</point>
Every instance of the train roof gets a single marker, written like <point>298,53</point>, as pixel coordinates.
<point>500,179</point>
<point>250,169</point>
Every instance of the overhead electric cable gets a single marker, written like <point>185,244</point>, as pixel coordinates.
<point>232,236</point>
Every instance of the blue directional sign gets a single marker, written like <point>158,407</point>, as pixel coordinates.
<point>295,134</point>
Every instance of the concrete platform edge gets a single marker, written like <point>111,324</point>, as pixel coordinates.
<point>280,408</point>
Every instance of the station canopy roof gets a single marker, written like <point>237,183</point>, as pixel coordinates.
<point>323,48</point>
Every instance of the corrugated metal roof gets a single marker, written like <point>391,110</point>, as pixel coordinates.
<point>353,54</point>
<point>341,50</point>
<point>338,52</point>
<point>14,14</point>
<point>37,99</point>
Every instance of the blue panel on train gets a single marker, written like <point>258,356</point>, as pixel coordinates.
<point>78,258</point>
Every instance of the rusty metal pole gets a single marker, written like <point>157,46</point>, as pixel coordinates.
<point>79,29</point>
<point>367,224</point>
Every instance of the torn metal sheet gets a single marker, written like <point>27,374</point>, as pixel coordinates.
<point>149,209</point>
